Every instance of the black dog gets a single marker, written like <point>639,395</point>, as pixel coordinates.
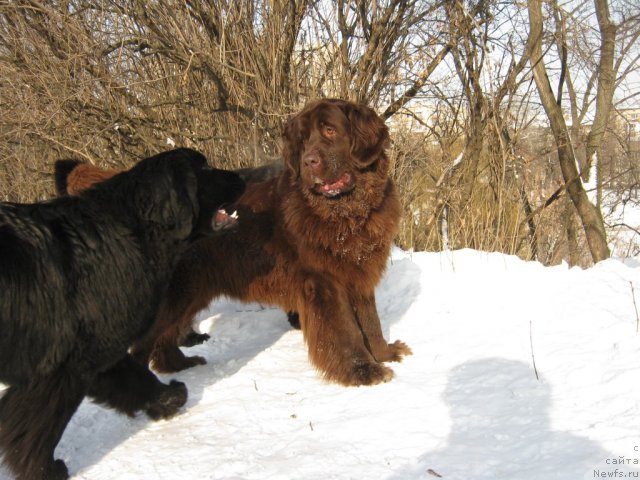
<point>81,278</point>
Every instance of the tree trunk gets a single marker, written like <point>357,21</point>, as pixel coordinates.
<point>589,215</point>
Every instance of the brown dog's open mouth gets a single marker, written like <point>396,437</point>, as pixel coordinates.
<point>224,221</point>
<point>343,184</point>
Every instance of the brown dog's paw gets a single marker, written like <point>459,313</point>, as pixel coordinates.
<point>193,361</point>
<point>369,374</point>
<point>170,360</point>
<point>398,350</point>
<point>392,352</point>
<point>193,338</point>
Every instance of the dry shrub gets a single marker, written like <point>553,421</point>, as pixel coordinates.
<point>490,214</point>
<point>113,83</point>
<point>438,216</point>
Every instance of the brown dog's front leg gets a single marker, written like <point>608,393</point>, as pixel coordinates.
<point>369,322</point>
<point>159,346</point>
<point>336,345</point>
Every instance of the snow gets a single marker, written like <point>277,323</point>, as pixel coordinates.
<point>622,218</point>
<point>467,405</point>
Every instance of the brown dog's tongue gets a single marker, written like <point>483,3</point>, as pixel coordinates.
<point>338,185</point>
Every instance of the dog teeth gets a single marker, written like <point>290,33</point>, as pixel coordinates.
<point>234,214</point>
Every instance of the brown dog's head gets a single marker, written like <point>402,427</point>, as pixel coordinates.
<point>330,141</point>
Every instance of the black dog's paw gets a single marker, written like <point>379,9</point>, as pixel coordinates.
<point>57,470</point>
<point>193,338</point>
<point>172,397</point>
<point>294,320</point>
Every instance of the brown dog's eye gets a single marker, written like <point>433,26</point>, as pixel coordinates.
<point>328,132</point>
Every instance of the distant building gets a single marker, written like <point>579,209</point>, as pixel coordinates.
<point>416,116</point>
<point>630,118</point>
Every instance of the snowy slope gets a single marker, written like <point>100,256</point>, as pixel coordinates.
<point>467,405</point>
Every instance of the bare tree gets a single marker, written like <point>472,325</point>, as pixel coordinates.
<point>121,79</point>
<point>493,93</point>
<point>567,157</point>
<point>113,81</point>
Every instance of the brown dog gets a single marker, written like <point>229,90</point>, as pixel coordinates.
<point>314,240</point>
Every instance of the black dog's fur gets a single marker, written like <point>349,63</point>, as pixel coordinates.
<point>81,278</point>
<point>62,169</point>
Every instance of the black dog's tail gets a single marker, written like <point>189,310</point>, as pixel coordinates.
<point>61,170</point>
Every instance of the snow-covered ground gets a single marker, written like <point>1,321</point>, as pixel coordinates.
<point>519,372</point>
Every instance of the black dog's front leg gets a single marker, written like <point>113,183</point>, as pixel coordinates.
<point>129,387</point>
<point>32,420</point>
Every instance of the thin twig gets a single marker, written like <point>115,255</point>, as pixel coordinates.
<point>533,357</point>
<point>633,295</point>
<point>615,225</point>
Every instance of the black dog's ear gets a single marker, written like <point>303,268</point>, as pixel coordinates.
<point>196,159</point>
<point>61,171</point>
<point>168,197</point>
<point>370,135</point>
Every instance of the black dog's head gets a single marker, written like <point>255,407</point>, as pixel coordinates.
<point>178,192</point>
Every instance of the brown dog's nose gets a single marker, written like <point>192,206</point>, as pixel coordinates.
<point>311,159</point>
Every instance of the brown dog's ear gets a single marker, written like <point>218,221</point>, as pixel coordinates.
<point>370,135</point>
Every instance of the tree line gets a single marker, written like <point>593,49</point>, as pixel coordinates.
<point>502,116</point>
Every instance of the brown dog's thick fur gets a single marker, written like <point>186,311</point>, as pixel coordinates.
<point>314,240</point>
